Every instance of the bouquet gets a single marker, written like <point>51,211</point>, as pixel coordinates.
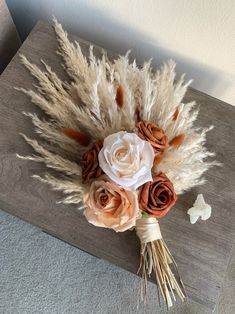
<point>123,145</point>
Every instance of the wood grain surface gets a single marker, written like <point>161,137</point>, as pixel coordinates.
<point>9,38</point>
<point>202,250</point>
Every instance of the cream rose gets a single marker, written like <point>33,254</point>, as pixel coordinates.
<point>127,159</point>
<point>109,205</point>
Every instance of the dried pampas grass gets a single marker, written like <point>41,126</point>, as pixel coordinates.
<point>88,104</point>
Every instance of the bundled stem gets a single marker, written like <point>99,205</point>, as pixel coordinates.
<point>156,257</point>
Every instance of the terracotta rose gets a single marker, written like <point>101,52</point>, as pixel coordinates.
<point>157,197</point>
<point>109,205</point>
<point>90,164</point>
<point>151,133</point>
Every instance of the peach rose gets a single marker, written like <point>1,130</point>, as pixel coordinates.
<point>109,205</point>
<point>90,164</point>
<point>151,133</point>
<point>157,197</point>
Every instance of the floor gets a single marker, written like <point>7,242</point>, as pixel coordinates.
<point>40,274</point>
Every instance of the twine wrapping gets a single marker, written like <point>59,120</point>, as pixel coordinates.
<point>155,257</point>
<point>148,230</point>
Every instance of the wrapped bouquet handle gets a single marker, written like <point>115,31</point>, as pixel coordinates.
<point>122,146</point>
<point>157,259</point>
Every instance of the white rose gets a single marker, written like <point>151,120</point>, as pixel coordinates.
<point>127,159</point>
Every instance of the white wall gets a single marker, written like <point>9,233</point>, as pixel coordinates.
<point>198,34</point>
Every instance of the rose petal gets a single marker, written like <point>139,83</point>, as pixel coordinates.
<point>126,159</point>
<point>157,197</point>
<point>109,205</point>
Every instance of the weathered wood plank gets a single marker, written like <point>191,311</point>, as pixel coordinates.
<point>9,38</point>
<point>202,250</point>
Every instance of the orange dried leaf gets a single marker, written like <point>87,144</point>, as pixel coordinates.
<point>157,159</point>
<point>137,112</point>
<point>79,137</point>
<point>120,96</point>
<point>175,115</point>
<point>178,140</point>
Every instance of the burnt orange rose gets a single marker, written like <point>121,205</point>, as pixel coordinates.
<point>90,164</point>
<point>151,133</point>
<point>157,197</point>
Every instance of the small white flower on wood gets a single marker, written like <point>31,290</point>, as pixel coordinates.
<point>199,210</point>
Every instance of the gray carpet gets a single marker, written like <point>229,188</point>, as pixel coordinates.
<point>40,274</point>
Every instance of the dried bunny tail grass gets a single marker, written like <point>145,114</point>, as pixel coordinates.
<point>52,160</point>
<point>73,188</point>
